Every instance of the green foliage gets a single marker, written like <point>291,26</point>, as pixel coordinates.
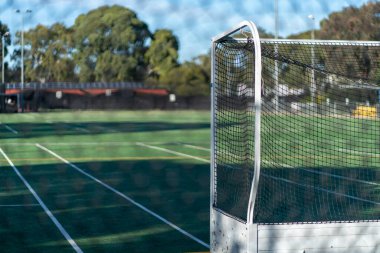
<point>353,23</point>
<point>110,43</point>
<point>162,55</point>
<point>304,35</point>
<point>3,30</point>
<point>191,78</point>
<point>264,34</point>
<point>7,39</point>
<point>48,53</point>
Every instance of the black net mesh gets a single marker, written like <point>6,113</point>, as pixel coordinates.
<point>234,126</point>
<point>320,131</point>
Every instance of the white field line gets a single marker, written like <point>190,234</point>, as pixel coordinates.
<point>358,152</point>
<point>321,189</point>
<point>71,143</point>
<point>19,205</point>
<point>42,204</point>
<point>342,177</point>
<point>105,129</point>
<point>82,129</point>
<point>195,147</point>
<point>173,152</point>
<point>68,126</point>
<point>312,171</point>
<point>9,128</point>
<point>307,186</point>
<point>116,143</point>
<point>126,197</point>
<point>324,173</point>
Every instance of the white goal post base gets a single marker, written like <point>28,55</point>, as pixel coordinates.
<point>231,235</point>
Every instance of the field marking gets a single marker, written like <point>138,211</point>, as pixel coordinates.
<point>106,158</point>
<point>9,128</point>
<point>126,197</point>
<point>302,185</point>
<point>82,129</point>
<point>105,143</point>
<point>323,173</point>
<point>42,204</point>
<point>194,147</point>
<point>320,189</point>
<point>342,177</point>
<point>19,205</point>
<point>173,152</point>
<point>316,172</point>
<point>358,152</point>
<point>104,129</point>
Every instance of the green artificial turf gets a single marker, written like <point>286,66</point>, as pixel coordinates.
<point>107,145</point>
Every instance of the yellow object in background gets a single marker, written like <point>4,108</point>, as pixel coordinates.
<point>365,111</point>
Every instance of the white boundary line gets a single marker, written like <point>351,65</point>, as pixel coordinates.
<point>9,128</point>
<point>281,179</point>
<point>342,177</point>
<point>82,129</point>
<point>194,147</point>
<point>19,205</point>
<point>308,170</point>
<point>125,197</point>
<point>320,189</point>
<point>323,173</point>
<point>172,152</point>
<point>105,143</point>
<point>42,204</point>
<point>358,152</point>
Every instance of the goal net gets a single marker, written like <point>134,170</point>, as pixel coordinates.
<point>320,130</point>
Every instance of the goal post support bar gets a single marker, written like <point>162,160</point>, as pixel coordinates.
<point>257,70</point>
<point>218,220</point>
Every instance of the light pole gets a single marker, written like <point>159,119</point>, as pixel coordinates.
<point>277,88</point>
<point>2,55</point>
<point>22,54</point>
<point>313,87</point>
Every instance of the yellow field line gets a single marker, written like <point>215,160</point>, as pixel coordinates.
<point>126,158</point>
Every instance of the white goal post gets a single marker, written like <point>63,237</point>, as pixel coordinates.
<point>294,168</point>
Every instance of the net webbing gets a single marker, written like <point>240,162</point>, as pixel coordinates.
<point>320,131</point>
<point>234,126</point>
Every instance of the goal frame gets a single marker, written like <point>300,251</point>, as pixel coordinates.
<point>229,234</point>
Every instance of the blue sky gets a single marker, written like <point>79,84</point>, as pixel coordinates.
<point>193,21</point>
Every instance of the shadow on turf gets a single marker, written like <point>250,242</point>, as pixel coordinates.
<point>30,130</point>
<point>302,194</point>
<point>102,221</point>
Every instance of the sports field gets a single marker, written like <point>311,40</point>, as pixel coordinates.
<point>104,181</point>
<point>119,181</point>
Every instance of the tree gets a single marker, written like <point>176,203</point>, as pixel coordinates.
<point>191,78</point>
<point>264,34</point>
<point>162,55</point>
<point>7,39</point>
<point>47,53</point>
<point>304,35</point>
<point>110,45</point>
<point>353,23</point>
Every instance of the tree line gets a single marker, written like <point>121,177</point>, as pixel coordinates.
<point>107,44</point>
<point>111,44</point>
